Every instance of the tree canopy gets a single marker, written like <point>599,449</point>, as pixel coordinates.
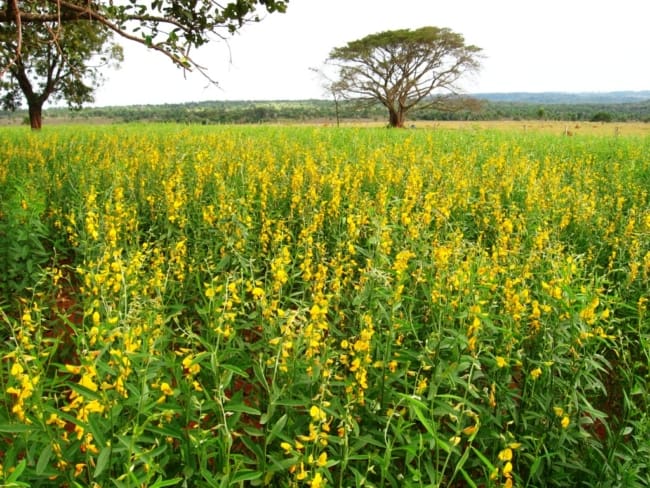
<point>405,68</point>
<point>172,27</point>
<point>46,45</point>
<point>68,69</point>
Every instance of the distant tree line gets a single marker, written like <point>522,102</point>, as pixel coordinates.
<point>251,112</point>
<point>596,112</point>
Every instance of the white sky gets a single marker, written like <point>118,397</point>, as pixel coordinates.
<point>529,45</point>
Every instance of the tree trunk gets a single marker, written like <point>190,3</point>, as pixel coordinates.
<point>35,115</point>
<point>336,106</point>
<point>34,100</point>
<point>395,118</point>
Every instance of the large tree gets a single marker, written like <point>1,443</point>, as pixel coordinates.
<point>66,66</point>
<point>403,69</point>
<point>34,31</point>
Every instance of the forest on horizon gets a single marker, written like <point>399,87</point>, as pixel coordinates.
<point>618,106</point>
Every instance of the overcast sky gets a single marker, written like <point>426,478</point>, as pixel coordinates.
<point>529,45</point>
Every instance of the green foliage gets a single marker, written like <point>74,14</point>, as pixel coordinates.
<point>406,43</point>
<point>238,112</point>
<point>23,240</point>
<point>54,50</point>
<point>601,117</point>
<point>301,306</point>
<point>66,68</point>
<point>402,69</point>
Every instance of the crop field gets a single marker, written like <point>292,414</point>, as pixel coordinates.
<point>313,306</point>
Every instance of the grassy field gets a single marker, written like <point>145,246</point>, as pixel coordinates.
<point>560,128</point>
<point>313,306</point>
<point>547,127</point>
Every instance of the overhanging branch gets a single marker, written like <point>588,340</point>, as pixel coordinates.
<point>196,26</point>
<point>19,37</point>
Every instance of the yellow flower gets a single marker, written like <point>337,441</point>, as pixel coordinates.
<point>87,381</point>
<point>322,460</point>
<point>501,362</point>
<point>78,469</point>
<point>536,373</point>
<point>55,419</point>
<point>356,364</point>
<point>422,386</point>
<point>505,454</point>
<point>392,366</point>
<point>565,422</point>
<point>318,481</point>
<point>401,261</point>
<point>317,413</point>
<point>94,406</point>
<point>472,429</point>
<point>471,343</point>
<point>302,474</point>
<point>191,367</point>
<point>286,447</point>
<point>507,226</point>
<point>166,389</point>
<point>16,370</point>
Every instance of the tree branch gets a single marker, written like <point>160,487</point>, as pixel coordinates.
<point>178,53</point>
<point>183,62</point>
<point>19,37</point>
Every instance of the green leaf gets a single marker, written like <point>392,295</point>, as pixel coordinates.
<point>252,431</point>
<point>102,461</point>
<point>86,392</point>
<point>467,477</point>
<point>242,408</point>
<point>235,369</point>
<point>159,483</point>
<point>417,406</point>
<point>245,475</point>
<point>277,428</point>
<point>223,264</point>
<point>459,466</point>
<point>96,426</point>
<point>486,462</point>
<point>165,431</point>
<point>256,448</point>
<point>44,460</point>
<point>535,466</point>
<point>15,428</point>
<point>17,472</point>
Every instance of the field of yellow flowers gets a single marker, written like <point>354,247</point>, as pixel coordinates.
<point>302,306</point>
